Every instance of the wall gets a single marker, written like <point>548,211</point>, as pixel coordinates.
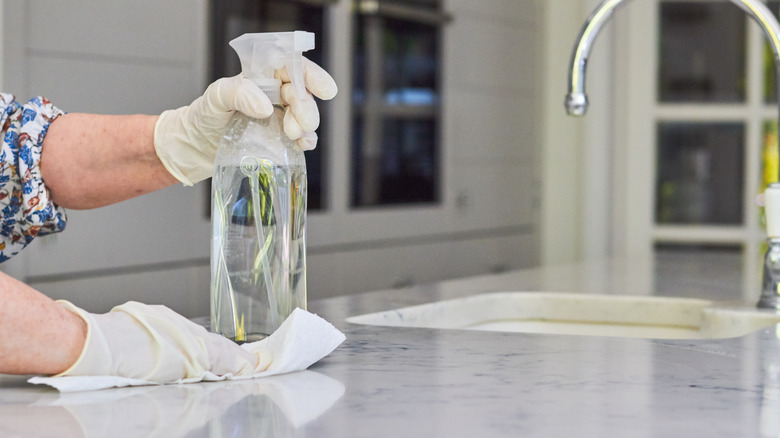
<point>125,56</point>
<point>578,158</point>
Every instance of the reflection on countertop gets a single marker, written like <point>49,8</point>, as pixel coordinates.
<point>274,406</point>
<point>390,382</point>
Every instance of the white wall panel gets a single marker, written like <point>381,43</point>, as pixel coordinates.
<point>161,227</point>
<point>392,267</point>
<point>164,31</point>
<point>185,290</point>
<point>103,87</point>
<point>491,128</point>
<point>494,196</point>
<point>487,56</point>
<point>513,12</point>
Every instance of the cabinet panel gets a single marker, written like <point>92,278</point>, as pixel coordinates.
<point>394,267</point>
<point>96,86</point>
<point>493,196</point>
<point>185,290</point>
<point>164,226</point>
<point>487,55</point>
<point>490,128</point>
<point>503,11</point>
<point>160,30</point>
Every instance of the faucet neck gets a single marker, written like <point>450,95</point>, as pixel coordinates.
<point>577,100</point>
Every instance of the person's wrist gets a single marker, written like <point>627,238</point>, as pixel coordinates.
<point>74,339</point>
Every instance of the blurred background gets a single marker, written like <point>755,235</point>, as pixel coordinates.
<point>447,152</point>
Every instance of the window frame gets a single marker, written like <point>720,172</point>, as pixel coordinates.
<point>636,114</point>
<point>374,110</point>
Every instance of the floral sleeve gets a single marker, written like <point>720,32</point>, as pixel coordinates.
<point>26,208</point>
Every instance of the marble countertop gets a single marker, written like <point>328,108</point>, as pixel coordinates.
<point>414,382</point>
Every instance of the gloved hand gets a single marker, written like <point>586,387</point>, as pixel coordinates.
<point>186,138</point>
<point>156,344</point>
<point>301,117</point>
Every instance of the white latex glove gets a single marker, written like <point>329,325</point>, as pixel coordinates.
<point>301,117</point>
<point>156,344</point>
<point>186,138</point>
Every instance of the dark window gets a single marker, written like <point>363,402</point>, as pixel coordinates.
<point>396,152</point>
<point>700,173</point>
<point>702,52</point>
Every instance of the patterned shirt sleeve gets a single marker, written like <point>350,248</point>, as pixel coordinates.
<point>26,208</point>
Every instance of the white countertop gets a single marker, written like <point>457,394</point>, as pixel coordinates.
<point>414,382</point>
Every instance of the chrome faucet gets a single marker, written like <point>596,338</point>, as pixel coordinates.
<point>577,105</point>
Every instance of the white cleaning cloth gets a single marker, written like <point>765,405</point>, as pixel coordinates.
<point>301,340</point>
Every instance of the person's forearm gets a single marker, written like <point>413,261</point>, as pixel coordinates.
<point>91,160</point>
<point>37,335</point>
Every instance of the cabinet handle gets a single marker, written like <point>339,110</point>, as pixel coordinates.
<point>403,12</point>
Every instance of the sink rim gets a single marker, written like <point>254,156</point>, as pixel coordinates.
<point>707,318</point>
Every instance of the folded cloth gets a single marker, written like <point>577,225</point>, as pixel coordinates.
<point>301,340</point>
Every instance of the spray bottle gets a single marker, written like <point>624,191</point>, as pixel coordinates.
<point>258,249</point>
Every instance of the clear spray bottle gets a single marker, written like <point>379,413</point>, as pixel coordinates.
<point>258,199</point>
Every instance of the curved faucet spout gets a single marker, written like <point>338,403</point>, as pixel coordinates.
<point>577,100</point>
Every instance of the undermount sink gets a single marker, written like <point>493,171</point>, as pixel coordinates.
<point>580,314</point>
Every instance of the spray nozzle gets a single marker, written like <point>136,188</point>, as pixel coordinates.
<point>263,53</point>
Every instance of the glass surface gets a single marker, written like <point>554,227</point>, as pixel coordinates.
<point>702,52</point>
<point>410,63</point>
<point>403,171</point>
<point>700,173</point>
<point>230,19</point>
<point>395,153</point>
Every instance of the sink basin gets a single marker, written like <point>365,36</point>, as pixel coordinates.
<point>580,314</point>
